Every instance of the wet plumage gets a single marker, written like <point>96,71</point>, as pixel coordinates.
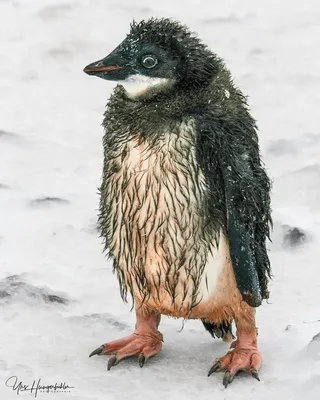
<point>184,199</point>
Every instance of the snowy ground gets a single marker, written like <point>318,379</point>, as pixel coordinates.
<point>50,147</point>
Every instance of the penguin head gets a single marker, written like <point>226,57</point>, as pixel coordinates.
<point>156,56</point>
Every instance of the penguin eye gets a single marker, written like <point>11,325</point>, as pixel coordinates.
<point>149,61</point>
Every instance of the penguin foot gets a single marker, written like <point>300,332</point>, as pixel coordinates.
<point>242,356</point>
<point>140,343</point>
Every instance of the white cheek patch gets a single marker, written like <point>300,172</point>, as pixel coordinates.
<point>136,85</point>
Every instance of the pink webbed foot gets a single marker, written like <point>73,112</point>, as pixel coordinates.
<point>144,344</point>
<point>242,356</point>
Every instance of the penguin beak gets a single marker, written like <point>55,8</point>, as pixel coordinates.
<point>98,66</point>
<point>108,68</point>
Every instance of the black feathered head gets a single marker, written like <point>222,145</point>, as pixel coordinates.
<point>158,53</point>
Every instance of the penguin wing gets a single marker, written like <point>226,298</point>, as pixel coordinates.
<point>229,149</point>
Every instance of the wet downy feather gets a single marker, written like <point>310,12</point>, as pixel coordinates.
<point>181,170</point>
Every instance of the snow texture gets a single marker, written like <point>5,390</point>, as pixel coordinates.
<point>58,297</point>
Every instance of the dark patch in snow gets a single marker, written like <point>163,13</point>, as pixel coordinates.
<point>48,200</point>
<point>107,319</point>
<point>316,337</point>
<point>314,347</point>
<point>116,324</point>
<point>6,134</point>
<point>288,328</point>
<point>11,138</point>
<point>293,236</point>
<point>287,237</point>
<point>4,294</point>
<point>52,298</point>
<point>14,288</point>
<point>3,186</point>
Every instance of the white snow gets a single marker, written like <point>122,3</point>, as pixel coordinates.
<point>54,112</point>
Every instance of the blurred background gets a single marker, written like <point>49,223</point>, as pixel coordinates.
<point>58,297</point>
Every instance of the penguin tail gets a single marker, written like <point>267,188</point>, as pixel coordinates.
<point>222,330</point>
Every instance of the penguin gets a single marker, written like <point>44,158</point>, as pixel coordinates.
<point>185,208</point>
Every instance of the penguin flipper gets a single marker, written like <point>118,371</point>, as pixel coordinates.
<point>241,248</point>
<point>239,196</point>
<point>247,190</point>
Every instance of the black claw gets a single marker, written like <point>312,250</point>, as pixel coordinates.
<point>255,374</point>
<point>98,351</point>
<point>142,360</point>
<point>112,361</point>
<point>228,378</point>
<point>215,368</point>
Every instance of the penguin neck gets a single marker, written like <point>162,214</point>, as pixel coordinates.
<point>165,110</point>
<point>163,100</point>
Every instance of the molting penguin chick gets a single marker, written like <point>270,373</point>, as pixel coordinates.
<point>184,199</point>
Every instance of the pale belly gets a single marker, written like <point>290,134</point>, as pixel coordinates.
<point>161,252</point>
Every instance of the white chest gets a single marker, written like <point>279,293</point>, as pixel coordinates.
<point>155,199</point>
